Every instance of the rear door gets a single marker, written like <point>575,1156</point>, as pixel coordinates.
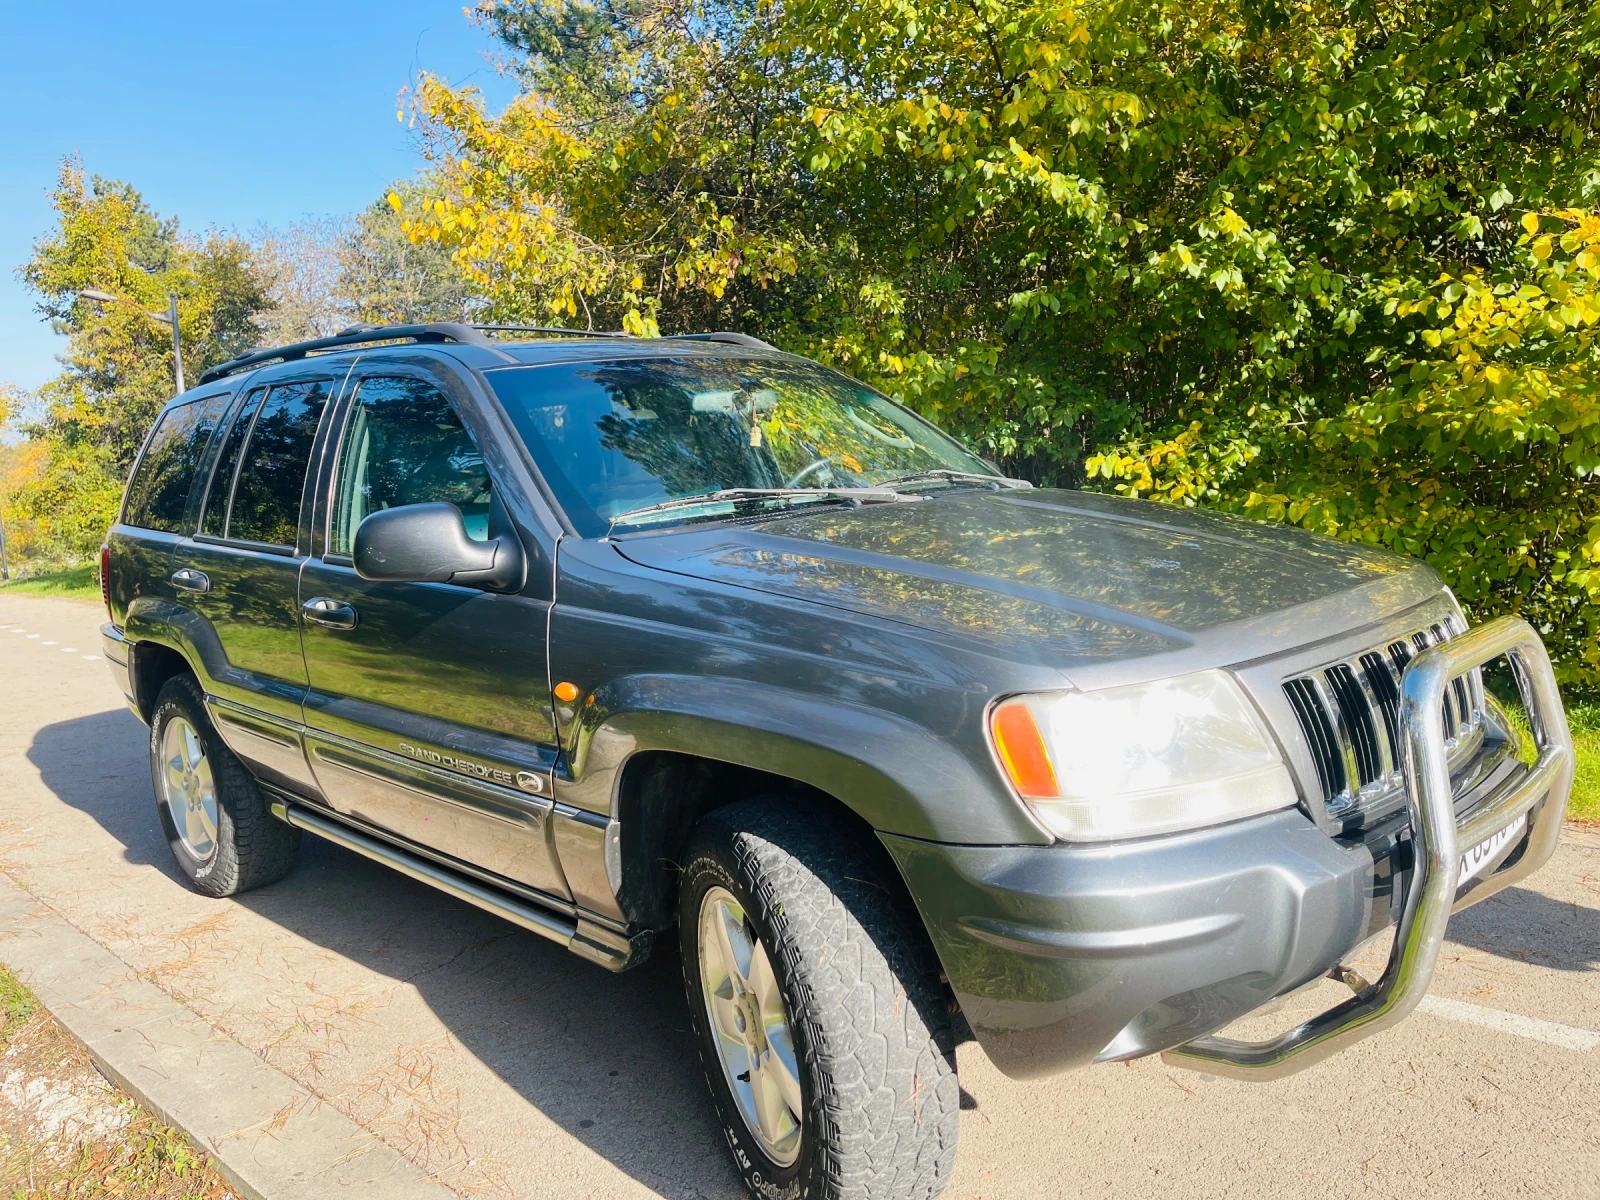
<point>239,574</point>
<point>428,714</point>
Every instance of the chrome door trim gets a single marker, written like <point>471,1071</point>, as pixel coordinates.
<point>330,613</point>
<point>191,580</point>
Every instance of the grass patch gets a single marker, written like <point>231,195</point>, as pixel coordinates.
<point>86,1140</point>
<point>16,1003</point>
<point>79,583</point>
<point>1583,718</point>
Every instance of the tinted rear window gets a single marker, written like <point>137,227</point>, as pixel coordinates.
<point>272,473</point>
<point>158,493</point>
<point>215,520</point>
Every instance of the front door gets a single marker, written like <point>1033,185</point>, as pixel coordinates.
<point>428,714</point>
<point>239,574</point>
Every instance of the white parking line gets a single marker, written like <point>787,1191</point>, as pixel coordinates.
<point>33,635</point>
<point>1536,1030</point>
<point>69,649</point>
<point>91,658</point>
<point>49,643</point>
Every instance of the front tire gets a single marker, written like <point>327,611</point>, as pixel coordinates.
<point>215,818</point>
<point>815,997</point>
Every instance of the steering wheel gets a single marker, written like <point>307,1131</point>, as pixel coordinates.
<point>867,427</point>
<point>807,471</point>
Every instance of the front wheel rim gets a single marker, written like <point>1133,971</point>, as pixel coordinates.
<point>188,789</point>
<point>749,1026</point>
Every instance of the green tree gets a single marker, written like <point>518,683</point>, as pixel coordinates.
<point>389,279</point>
<point>118,368</point>
<point>1331,263</point>
<point>646,169</point>
<point>326,273</point>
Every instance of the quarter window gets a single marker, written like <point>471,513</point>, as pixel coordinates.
<point>404,444</point>
<point>158,493</point>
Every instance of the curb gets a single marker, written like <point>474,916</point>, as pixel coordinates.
<point>269,1137</point>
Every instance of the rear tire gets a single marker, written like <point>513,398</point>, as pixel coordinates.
<point>861,1005</point>
<point>215,818</point>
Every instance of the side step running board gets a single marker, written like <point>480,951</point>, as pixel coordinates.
<point>611,950</point>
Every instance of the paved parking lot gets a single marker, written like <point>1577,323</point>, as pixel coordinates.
<point>506,1067</point>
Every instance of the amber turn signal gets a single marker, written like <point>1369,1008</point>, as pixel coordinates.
<point>566,692</point>
<point>1022,751</point>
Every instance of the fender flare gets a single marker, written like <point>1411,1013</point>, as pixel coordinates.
<point>899,777</point>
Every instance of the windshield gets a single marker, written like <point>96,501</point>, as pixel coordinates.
<point>615,437</point>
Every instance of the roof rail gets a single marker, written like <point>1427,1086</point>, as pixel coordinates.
<point>731,339</point>
<point>595,333</point>
<point>441,331</point>
<point>354,335</point>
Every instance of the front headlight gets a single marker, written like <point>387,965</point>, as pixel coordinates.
<point>1148,758</point>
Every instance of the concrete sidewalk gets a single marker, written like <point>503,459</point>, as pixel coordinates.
<point>426,1038</point>
<point>270,1138</point>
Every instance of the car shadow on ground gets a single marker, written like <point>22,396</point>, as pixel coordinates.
<point>1530,927</point>
<point>609,1058</point>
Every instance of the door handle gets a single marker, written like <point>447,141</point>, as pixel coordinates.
<point>191,580</point>
<point>334,614</point>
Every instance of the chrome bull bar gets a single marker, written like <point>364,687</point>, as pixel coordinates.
<point>1437,842</point>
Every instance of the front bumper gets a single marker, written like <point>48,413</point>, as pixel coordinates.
<point>1065,955</point>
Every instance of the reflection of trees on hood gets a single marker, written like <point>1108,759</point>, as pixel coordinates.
<point>1106,551</point>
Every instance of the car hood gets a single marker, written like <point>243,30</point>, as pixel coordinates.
<point>1075,580</point>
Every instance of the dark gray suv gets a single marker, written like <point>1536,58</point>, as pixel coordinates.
<point>614,636</point>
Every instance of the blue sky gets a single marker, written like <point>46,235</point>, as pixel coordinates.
<point>221,114</point>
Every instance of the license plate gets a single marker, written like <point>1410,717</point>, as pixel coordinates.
<point>1480,856</point>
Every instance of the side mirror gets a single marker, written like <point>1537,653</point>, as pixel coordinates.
<point>428,543</point>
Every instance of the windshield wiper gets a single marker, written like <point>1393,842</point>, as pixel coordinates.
<point>945,475</point>
<point>750,495</point>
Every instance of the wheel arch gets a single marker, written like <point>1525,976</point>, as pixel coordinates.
<point>169,638</point>
<point>151,664</point>
<point>662,798</point>
<point>657,754</point>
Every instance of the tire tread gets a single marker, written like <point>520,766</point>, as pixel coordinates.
<point>871,1000</point>
<point>254,848</point>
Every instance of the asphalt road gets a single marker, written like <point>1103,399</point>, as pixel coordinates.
<point>506,1066</point>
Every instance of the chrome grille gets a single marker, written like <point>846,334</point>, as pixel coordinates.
<point>1350,714</point>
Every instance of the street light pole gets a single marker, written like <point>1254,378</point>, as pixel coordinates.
<point>177,346</point>
<point>170,317</point>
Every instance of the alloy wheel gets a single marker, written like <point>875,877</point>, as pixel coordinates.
<point>188,789</point>
<point>750,1026</point>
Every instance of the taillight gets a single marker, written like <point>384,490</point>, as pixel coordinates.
<point>105,578</point>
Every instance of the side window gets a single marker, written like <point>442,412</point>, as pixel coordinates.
<point>272,471</point>
<point>159,490</point>
<point>404,444</point>
<point>215,519</point>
